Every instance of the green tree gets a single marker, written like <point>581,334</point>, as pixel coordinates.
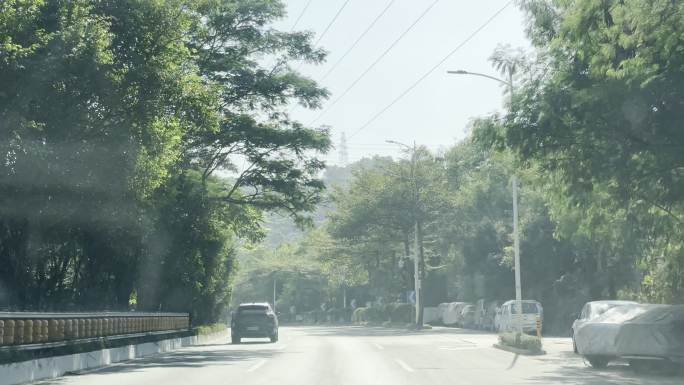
<point>115,117</point>
<point>604,114</point>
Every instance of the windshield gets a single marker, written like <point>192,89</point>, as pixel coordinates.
<point>341,191</point>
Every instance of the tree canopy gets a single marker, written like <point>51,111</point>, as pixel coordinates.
<point>122,125</point>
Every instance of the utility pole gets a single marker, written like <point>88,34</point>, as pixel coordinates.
<point>344,297</point>
<point>274,294</point>
<point>418,242</point>
<point>514,183</point>
<point>516,248</point>
<point>343,151</point>
<point>418,235</point>
<point>418,274</point>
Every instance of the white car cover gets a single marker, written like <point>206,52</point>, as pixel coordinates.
<point>658,332</point>
<point>598,336</point>
<point>452,313</point>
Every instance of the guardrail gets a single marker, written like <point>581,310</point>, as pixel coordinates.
<point>24,328</point>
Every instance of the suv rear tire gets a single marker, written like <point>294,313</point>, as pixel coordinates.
<point>598,362</point>
<point>274,338</point>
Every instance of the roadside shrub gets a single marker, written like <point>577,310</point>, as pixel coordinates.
<point>520,341</point>
<point>391,313</point>
<point>359,315</point>
<point>376,315</point>
<point>400,312</point>
<point>211,329</point>
<point>338,315</point>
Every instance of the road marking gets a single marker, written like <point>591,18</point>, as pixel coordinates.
<point>256,366</point>
<point>404,365</point>
<point>282,347</point>
<point>459,348</point>
<point>379,346</point>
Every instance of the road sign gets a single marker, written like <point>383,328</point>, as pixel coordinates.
<point>411,296</point>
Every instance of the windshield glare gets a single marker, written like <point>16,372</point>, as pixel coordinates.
<point>342,192</point>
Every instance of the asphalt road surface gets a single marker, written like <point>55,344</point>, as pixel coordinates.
<point>364,356</point>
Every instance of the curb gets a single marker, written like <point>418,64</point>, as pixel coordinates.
<point>523,352</point>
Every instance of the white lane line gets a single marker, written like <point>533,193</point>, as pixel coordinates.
<point>404,365</point>
<point>256,366</point>
<point>379,346</point>
<point>459,348</point>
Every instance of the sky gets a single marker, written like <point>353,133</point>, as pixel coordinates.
<point>437,111</point>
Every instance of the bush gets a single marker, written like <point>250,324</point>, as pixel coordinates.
<point>376,315</point>
<point>210,329</point>
<point>369,314</point>
<point>520,341</point>
<point>359,315</point>
<point>392,313</point>
<point>400,312</point>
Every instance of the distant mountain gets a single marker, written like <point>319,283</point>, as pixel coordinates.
<point>281,229</point>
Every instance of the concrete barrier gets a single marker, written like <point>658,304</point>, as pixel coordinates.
<point>53,367</point>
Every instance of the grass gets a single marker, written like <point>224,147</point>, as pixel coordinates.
<point>210,329</point>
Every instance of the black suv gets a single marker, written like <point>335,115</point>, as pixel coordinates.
<point>254,320</point>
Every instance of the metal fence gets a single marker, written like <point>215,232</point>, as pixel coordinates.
<point>19,328</point>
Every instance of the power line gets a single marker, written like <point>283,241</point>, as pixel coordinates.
<point>367,70</point>
<point>372,24</point>
<point>420,80</point>
<point>325,31</point>
<point>300,15</point>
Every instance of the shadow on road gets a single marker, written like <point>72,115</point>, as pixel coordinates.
<point>379,331</point>
<point>195,357</point>
<point>613,374</point>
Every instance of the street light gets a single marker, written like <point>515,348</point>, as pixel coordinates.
<point>416,261</point>
<point>514,183</point>
<point>464,72</point>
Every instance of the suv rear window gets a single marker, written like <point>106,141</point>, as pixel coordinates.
<point>253,309</point>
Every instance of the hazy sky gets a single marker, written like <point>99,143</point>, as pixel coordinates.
<point>437,111</point>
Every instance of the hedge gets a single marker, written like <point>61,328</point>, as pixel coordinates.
<point>400,312</point>
<point>392,312</point>
<point>521,341</point>
<point>211,329</point>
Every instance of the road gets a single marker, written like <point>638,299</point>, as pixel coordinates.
<point>365,356</point>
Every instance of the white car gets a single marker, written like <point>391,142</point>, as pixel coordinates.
<point>595,339</point>
<point>505,320</point>
<point>592,310</point>
<point>452,313</point>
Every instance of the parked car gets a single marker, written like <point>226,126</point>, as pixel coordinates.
<point>592,310</point>
<point>480,314</point>
<point>596,338</point>
<point>452,313</point>
<point>253,320</point>
<point>506,316</point>
<point>441,309</point>
<point>489,318</point>
<point>467,317</point>
<point>657,335</point>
